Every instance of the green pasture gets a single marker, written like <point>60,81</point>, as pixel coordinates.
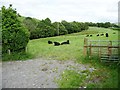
<point>39,48</point>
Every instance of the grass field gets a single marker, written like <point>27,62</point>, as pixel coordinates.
<point>39,48</point>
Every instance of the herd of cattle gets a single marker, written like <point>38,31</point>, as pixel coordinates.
<point>106,34</point>
<point>67,42</point>
<point>57,43</point>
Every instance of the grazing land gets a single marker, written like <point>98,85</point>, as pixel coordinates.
<point>73,51</point>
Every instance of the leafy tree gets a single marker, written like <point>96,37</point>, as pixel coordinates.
<point>30,24</point>
<point>56,27</point>
<point>78,26</point>
<point>84,26</point>
<point>67,26</point>
<point>14,36</point>
<point>73,27</point>
<point>100,24</point>
<point>43,29</point>
<point>62,29</point>
<point>47,21</point>
<point>91,24</point>
<point>107,24</point>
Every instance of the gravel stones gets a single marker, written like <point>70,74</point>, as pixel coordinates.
<point>37,73</point>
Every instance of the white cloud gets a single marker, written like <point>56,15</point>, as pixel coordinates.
<point>69,10</point>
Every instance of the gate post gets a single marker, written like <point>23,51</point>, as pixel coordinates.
<point>90,49</point>
<point>110,48</point>
<point>85,46</point>
<point>9,52</point>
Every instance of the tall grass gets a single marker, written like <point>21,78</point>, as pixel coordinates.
<point>16,56</point>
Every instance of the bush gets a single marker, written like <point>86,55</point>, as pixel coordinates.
<point>14,36</point>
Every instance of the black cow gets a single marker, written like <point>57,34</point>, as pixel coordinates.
<point>107,35</point>
<point>87,35</point>
<point>56,43</point>
<point>49,42</point>
<point>65,42</point>
<point>98,35</point>
<point>102,34</point>
<point>90,35</point>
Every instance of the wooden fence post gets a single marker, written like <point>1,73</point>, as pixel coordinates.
<point>85,46</point>
<point>109,48</point>
<point>9,51</point>
<point>90,49</point>
<point>99,50</point>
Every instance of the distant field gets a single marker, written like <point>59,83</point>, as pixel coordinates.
<point>40,47</point>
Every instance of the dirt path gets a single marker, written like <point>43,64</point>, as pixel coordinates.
<point>36,73</point>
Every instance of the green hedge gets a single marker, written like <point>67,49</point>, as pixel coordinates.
<point>14,36</point>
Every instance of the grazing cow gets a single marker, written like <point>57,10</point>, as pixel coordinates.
<point>49,42</point>
<point>90,35</point>
<point>102,34</point>
<point>56,43</point>
<point>65,42</point>
<point>68,42</point>
<point>87,36</point>
<point>107,35</point>
<point>98,35</point>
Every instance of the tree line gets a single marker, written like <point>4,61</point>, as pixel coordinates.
<point>45,28</point>
<point>104,25</point>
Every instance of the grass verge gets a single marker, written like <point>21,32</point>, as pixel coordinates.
<point>70,79</point>
<point>105,76</point>
<point>16,56</point>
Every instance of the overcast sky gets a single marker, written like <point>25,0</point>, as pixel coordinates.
<point>69,10</point>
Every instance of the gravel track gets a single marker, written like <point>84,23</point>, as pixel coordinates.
<point>36,73</point>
